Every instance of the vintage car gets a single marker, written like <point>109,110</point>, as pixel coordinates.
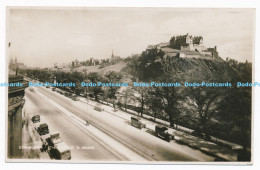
<point>162,132</point>
<point>137,122</point>
<point>43,129</point>
<point>36,118</point>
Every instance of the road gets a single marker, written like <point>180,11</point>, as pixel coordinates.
<point>141,143</point>
<point>71,134</point>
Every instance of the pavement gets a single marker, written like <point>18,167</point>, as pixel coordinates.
<point>222,153</point>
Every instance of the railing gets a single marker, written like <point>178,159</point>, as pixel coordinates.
<point>17,88</point>
<point>15,79</point>
<point>14,100</point>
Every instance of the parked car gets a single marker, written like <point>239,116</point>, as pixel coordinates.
<point>61,151</point>
<point>115,109</point>
<point>162,132</point>
<point>36,118</point>
<point>55,146</point>
<point>201,135</point>
<point>68,94</point>
<point>74,97</point>
<point>137,122</point>
<point>43,129</point>
<point>98,108</point>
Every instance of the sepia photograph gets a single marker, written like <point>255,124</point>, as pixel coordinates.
<point>134,85</point>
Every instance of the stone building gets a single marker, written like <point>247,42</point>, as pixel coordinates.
<point>191,43</point>
<point>186,46</point>
<point>15,106</point>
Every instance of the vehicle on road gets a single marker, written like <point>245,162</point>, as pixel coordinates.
<point>162,132</point>
<point>98,108</point>
<point>59,91</point>
<point>36,118</point>
<point>74,97</point>
<point>115,108</point>
<point>43,129</point>
<point>137,122</point>
<point>61,151</point>
<point>68,94</point>
<point>54,139</point>
<point>55,146</point>
<point>201,135</point>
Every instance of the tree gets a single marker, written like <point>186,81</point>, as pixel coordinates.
<point>236,109</point>
<point>205,101</point>
<point>236,106</point>
<point>77,78</point>
<point>127,96</point>
<point>154,102</point>
<point>169,99</point>
<point>141,97</point>
<point>95,77</point>
<point>147,66</point>
<point>113,77</point>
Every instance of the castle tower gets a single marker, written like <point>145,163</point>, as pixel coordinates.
<point>189,39</point>
<point>215,48</point>
<point>201,41</point>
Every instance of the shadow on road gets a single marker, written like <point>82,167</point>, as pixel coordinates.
<point>127,122</point>
<point>151,132</point>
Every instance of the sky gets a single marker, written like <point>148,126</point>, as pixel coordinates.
<point>40,37</point>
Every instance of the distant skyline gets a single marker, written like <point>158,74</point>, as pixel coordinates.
<point>41,37</point>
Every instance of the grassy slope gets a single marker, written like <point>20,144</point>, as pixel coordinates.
<point>116,67</point>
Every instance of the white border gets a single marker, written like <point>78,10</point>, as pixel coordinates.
<point>125,3</point>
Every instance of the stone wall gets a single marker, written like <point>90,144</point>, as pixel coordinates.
<point>14,139</point>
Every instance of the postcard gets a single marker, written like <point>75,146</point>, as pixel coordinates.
<point>133,85</point>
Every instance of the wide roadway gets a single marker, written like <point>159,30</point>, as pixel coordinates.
<point>83,145</point>
<point>141,142</point>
